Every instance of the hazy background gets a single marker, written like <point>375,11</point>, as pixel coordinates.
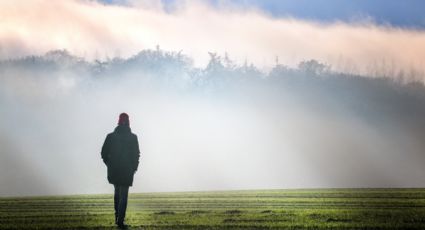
<point>279,102</point>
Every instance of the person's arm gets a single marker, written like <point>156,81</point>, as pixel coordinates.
<point>105,149</point>
<point>136,154</point>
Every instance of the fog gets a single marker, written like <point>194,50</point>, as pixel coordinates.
<point>221,127</point>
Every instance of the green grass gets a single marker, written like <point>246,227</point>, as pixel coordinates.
<point>263,209</point>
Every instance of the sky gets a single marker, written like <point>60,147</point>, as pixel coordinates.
<point>353,36</point>
<point>396,13</point>
<point>53,121</point>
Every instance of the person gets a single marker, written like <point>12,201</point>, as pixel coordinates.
<point>120,153</point>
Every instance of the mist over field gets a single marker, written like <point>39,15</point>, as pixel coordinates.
<point>224,126</point>
<point>222,94</point>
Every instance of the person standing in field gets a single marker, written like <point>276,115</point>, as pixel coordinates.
<point>120,153</point>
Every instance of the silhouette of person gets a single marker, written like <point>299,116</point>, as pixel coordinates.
<point>120,153</point>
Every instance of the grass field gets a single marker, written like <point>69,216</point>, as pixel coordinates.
<point>263,209</point>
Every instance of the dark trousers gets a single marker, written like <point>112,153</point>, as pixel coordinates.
<point>120,202</point>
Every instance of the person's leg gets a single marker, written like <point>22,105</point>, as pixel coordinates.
<point>122,205</point>
<point>116,201</point>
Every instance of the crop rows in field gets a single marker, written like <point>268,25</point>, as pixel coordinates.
<point>263,209</point>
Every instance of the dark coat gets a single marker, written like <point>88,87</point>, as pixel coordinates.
<point>120,152</point>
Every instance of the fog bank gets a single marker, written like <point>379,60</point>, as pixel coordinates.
<point>222,127</point>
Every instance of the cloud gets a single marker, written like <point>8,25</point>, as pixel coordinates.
<point>95,30</point>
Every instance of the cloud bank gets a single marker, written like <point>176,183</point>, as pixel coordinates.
<point>94,30</point>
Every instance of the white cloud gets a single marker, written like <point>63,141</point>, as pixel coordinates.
<point>96,30</point>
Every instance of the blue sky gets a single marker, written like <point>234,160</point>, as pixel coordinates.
<point>399,13</point>
<point>407,13</point>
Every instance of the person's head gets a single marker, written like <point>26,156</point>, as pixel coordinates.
<point>123,119</point>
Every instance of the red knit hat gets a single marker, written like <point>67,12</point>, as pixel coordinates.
<point>123,119</point>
